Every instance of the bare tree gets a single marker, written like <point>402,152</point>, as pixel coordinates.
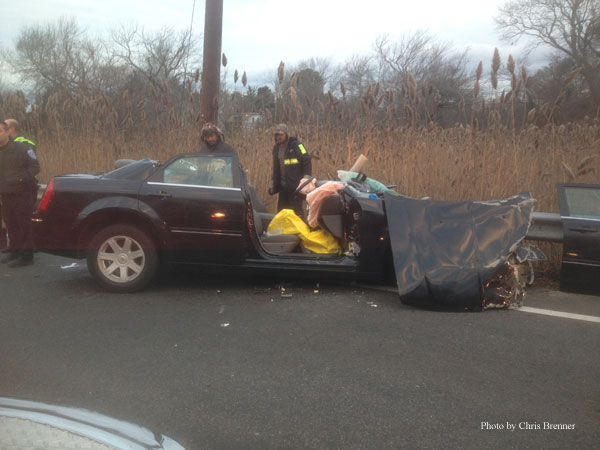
<point>555,84</point>
<point>159,56</point>
<point>570,27</point>
<point>430,75</point>
<point>408,55</point>
<point>320,65</point>
<point>356,74</point>
<point>58,56</point>
<point>3,86</point>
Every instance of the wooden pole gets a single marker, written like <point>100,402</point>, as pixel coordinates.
<point>211,62</point>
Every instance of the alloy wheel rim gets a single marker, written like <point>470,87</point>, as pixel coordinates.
<point>121,259</point>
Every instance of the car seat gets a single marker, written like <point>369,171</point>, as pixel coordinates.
<point>273,243</point>
<point>330,216</point>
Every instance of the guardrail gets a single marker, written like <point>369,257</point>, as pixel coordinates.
<point>545,227</point>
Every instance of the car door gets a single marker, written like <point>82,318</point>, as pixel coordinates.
<point>200,203</point>
<point>580,215</point>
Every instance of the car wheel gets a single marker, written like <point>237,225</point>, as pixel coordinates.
<point>122,258</point>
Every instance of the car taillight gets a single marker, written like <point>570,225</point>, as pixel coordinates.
<point>47,197</point>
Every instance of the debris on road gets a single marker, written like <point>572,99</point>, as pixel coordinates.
<point>283,294</point>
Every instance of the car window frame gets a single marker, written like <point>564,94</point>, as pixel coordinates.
<point>563,202</point>
<point>235,172</point>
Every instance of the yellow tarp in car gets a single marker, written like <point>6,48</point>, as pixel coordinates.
<point>318,241</point>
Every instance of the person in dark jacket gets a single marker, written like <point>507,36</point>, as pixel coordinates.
<point>18,168</point>
<point>14,131</point>
<point>213,140</point>
<point>291,162</point>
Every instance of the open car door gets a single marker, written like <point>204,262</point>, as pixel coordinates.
<point>199,199</point>
<point>580,215</point>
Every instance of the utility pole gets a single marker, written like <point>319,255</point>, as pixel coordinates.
<point>211,61</point>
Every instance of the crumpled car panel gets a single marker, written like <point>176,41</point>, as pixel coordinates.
<point>445,253</point>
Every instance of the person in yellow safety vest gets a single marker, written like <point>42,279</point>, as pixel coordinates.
<point>291,162</point>
<point>18,168</point>
<point>13,132</point>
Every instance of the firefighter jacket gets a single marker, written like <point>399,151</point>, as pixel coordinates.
<point>296,163</point>
<point>18,167</point>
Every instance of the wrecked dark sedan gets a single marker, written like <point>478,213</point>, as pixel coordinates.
<point>199,209</point>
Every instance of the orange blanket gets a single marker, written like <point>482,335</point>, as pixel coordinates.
<point>315,199</point>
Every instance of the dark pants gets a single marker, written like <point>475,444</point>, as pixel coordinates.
<point>3,241</point>
<point>287,200</point>
<point>16,212</point>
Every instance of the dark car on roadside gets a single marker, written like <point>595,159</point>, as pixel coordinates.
<point>580,217</point>
<point>200,209</point>
<point>195,209</point>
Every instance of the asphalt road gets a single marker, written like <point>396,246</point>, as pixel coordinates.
<point>221,363</point>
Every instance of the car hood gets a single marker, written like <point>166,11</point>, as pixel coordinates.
<point>73,428</point>
<point>445,253</point>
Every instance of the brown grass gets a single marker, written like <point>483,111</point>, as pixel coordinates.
<point>444,164</point>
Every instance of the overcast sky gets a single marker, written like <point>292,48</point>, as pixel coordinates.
<point>258,34</point>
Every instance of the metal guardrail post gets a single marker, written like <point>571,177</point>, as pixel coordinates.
<point>545,227</point>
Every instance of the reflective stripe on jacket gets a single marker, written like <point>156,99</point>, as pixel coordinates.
<point>296,164</point>
<point>24,140</point>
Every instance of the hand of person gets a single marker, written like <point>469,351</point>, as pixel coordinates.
<point>271,187</point>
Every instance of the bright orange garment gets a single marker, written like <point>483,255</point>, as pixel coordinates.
<point>315,200</point>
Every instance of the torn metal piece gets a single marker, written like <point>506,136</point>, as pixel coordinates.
<point>507,288</point>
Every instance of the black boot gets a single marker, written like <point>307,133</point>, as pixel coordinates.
<point>22,259</point>
<point>11,255</point>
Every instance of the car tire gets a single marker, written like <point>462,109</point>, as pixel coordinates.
<point>122,258</point>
